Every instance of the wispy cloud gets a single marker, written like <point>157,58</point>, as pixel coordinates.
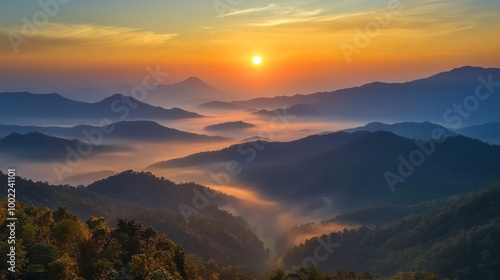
<point>248,11</point>
<point>106,34</point>
<point>291,15</point>
<point>425,17</point>
<point>90,35</point>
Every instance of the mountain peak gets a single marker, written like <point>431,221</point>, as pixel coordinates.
<point>192,81</point>
<point>463,71</point>
<point>117,96</point>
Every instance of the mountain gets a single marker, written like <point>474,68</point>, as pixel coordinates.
<point>95,94</point>
<point>411,130</point>
<point>83,179</point>
<point>459,240</point>
<point>229,126</point>
<point>148,131</point>
<point>152,131</point>
<point>410,101</point>
<point>82,250</point>
<point>24,105</point>
<point>210,233</point>
<point>159,193</point>
<point>188,92</point>
<point>489,132</point>
<point>299,110</point>
<point>349,171</point>
<point>363,172</point>
<point>40,147</point>
<point>257,153</point>
<point>220,105</point>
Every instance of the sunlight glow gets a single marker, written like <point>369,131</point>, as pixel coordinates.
<point>257,60</point>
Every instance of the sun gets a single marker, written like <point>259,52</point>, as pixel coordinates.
<point>257,60</point>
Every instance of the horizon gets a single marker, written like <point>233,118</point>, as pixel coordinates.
<point>251,140</point>
<point>270,95</point>
<point>341,44</point>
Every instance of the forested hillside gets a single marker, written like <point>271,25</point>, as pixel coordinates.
<point>460,240</point>
<point>57,245</point>
<point>213,233</point>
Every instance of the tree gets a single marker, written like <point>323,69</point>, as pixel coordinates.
<point>64,268</point>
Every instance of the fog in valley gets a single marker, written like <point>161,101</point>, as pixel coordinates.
<point>270,217</point>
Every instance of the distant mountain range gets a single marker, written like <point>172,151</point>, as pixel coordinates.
<point>428,99</point>
<point>147,131</point>
<point>24,105</point>
<point>356,174</point>
<point>411,130</point>
<point>188,92</point>
<point>39,147</point>
<point>489,132</point>
<point>229,126</point>
<point>220,105</point>
<point>298,110</point>
<point>264,152</point>
<point>377,101</point>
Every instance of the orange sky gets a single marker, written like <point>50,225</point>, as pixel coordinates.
<point>303,44</point>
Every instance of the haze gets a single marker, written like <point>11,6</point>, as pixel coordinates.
<point>82,47</point>
<point>254,134</point>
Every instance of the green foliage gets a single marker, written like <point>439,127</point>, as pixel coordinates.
<point>459,240</point>
<point>67,248</point>
<point>414,276</point>
<point>64,268</point>
<point>314,273</point>
<point>215,234</point>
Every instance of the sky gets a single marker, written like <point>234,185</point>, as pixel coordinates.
<point>305,46</point>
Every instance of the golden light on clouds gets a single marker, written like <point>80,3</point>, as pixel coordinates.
<point>299,42</point>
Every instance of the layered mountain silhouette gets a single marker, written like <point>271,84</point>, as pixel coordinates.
<point>220,105</point>
<point>363,171</point>
<point>187,92</point>
<point>39,147</point>
<point>351,169</point>
<point>19,105</point>
<point>95,94</point>
<point>489,132</point>
<point>260,152</point>
<point>412,130</point>
<point>228,126</point>
<point>146,131</point>
<point>299,110</point>
<point>428,99</point>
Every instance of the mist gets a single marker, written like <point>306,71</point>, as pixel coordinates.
<point>270,218</point>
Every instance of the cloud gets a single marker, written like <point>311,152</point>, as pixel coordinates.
<point>423,18</point>
<point>248,11</point>
<point>54,35</point>
<point>292,15</point>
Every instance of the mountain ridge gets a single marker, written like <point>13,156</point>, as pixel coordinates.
<point>40,147</point>
<point>148,131</point>
<point>23,105</point>
<point>405,101</point>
